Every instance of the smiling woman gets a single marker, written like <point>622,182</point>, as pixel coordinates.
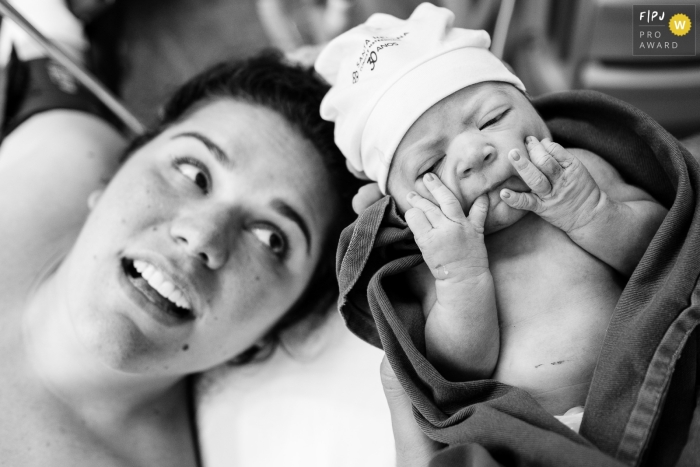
<point>215,233</point>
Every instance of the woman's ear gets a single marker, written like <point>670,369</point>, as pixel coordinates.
<point>94,197</point>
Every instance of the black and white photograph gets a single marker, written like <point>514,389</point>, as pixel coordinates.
<point>349,233</point>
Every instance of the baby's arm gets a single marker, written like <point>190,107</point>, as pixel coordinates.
<point>461,333</point>
<point>621,234</point>
<point>587,199</point>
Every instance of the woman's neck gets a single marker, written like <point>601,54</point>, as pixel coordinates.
<point>73,374</point>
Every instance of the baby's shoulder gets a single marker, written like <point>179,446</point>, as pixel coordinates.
<point>608,178</point>
<point>600,169</point>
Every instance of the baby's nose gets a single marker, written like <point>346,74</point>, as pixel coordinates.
<point>475,158</point>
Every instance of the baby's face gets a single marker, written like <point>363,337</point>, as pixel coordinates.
<point>464,139</point>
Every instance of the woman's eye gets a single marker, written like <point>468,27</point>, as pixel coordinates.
<point>272,238</point>
<point>195,171</point>
<point>494,120</point>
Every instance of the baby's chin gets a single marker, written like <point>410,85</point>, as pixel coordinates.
<point>500,214</point>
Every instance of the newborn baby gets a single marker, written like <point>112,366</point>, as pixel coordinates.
<point>521,289</point>
<point>526,244</point>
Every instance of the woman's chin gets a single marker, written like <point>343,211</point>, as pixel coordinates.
<point>117,342</point>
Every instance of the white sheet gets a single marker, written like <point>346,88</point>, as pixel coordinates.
<point>322,406</point>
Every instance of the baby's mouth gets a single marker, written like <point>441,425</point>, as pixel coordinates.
<point>513,183</point>
<point>150,281</point>
<point>493,192</point>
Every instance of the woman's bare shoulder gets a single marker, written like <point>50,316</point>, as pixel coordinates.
<point>48,167</point>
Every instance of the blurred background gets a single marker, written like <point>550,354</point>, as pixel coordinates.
<point>146,48</point>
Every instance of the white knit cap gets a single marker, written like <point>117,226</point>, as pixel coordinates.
<point>387,72</point>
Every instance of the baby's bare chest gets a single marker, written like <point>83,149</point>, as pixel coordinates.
<point>538,270</point>
<point>554,303</point>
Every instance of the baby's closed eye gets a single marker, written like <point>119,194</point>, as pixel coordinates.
<point>435,168</point>
<point>494,120</point>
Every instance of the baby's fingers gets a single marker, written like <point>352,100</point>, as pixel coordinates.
<point>365,197</point>
<point>530,174</point>
<point>446,199</point>
<point>417,222</point>
<point>432,212</point>
<point>541,157</point>
<point>523,201</point>
<point>478,212</point>
<point>561,155</point>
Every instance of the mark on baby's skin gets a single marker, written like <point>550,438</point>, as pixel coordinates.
<point>185,347</point>
<point>558,363</point>
<point>441,271</point>
<point>537,366</point>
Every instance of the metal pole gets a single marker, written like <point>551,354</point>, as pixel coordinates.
<point>75,69</point>
<point>500,32</point>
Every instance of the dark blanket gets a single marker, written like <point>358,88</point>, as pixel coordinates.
<point>642,408</point>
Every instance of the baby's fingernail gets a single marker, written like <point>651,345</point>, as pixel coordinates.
<point>505,194</point>
<point>530,140</point>
<point>429,177</point>
<point>515,155</point>
<point>411,194</point>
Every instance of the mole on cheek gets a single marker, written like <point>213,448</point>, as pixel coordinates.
<point>185,347</point>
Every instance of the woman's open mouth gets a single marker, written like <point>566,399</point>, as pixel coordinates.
<point>153,284</point>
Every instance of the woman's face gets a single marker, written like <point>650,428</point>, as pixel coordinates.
<point>200,243</point>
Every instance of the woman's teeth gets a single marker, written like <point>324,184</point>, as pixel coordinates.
<point>157,280</point>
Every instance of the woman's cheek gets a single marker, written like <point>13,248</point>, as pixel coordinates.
<point>255,283</point>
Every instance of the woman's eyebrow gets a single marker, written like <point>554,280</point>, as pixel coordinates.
<point>218,153</point>
<point>287,211</point>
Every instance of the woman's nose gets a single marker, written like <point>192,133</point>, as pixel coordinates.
<point>203,235</point>
<point>471,154</point>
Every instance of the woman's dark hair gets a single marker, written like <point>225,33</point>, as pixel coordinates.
<point>295,93</point>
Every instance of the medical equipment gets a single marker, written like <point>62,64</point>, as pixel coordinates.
<point>78,71</point>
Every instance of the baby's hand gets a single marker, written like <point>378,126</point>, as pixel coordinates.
<point>365,197</point>
<point>452,244</point>
<point>563,192</point>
